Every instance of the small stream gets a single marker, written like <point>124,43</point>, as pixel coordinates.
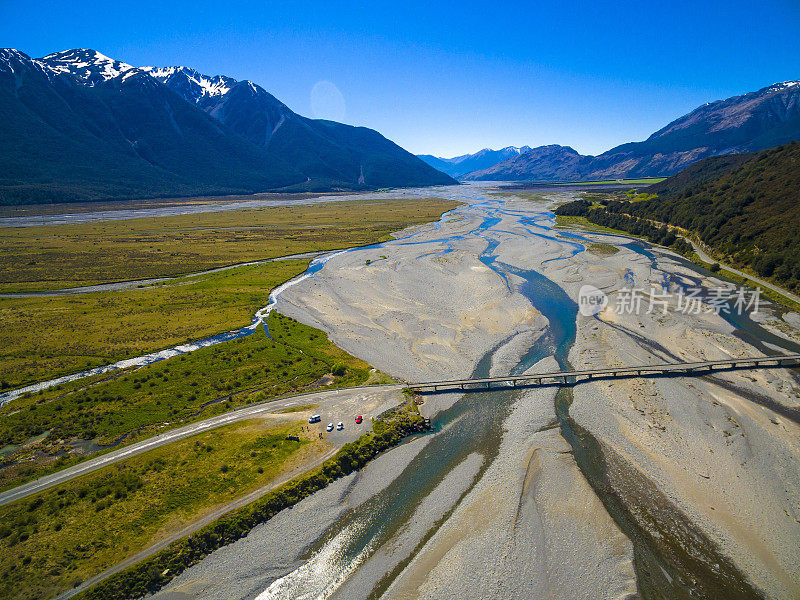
<point>666,566</point>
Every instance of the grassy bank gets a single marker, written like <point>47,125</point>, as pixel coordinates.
<point>584,223</point>
<point>169,394</point>
<point>67,534</point>
<point>45,337</point>
<point>53,257</point>
<point>155,572</point>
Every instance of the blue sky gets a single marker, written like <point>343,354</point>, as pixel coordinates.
<point>449,78</point>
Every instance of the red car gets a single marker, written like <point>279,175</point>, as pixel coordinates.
<point>359,418</point>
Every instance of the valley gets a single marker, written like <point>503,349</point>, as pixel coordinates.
<point>408,534</point>
<point>578,477</point>
<point>399,301</point>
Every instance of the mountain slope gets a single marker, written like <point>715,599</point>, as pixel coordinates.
<point>466,163</point>
<point>327,152</point>
<point>746,123</point>
<point>77,125</point>
<point>747,209</point>
<point>547,163</point>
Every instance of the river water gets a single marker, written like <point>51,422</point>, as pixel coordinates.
<point>466,435</point>
<point>473,426</point>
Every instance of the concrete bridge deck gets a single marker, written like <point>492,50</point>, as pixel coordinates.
<point>574,377</point>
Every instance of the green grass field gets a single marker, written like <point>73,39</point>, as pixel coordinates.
<point>584,223</point>
<point>65,535</point>
<point>54,257</point>
<point>45,337</point>
<point>37,428</point>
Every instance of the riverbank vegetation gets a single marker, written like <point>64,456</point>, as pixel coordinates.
<point>743,208</point>
<point>60,537</point>
<point>155,572</point>
<point>615,222</point>
<point>73,420</point>
<point>46,337</point>
<point>53,257</point>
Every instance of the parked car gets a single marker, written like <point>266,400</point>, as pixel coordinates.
<point>329,427</point>
<point>340,426</point>
<point>359,418</point>
<point>314,419</point>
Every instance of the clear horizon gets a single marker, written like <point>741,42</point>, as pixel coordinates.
<point>451,81</point>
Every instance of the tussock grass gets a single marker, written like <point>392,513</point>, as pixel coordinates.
<point>69,533</point>
<point>169,394</point>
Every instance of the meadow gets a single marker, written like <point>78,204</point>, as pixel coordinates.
<point>43,431</point>
<point>45,337</point>
<point>55,257</point>
<point>65,535</point>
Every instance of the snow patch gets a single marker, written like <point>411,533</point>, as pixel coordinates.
<point>91,66</point>
<point>200,86</point>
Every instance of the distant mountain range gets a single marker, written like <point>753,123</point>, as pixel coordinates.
<point>466,163</point>
<point>747,123</point>
<point>77,125</point>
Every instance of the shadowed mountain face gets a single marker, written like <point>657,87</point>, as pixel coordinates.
<point>743,206</point>
<point>747,123</point>
<point>325,151</point>
<point>78,125</point>
<point>466,163</point>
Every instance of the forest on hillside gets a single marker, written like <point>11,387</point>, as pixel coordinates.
<point>746,209</point>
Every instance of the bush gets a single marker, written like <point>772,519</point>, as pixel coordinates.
<point>339,370</point>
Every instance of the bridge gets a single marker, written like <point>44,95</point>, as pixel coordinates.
<point>562,378</point>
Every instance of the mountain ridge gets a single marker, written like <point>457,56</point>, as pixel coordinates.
<point>748,122</point>
<point>466,163</point>
<point>79,125</point>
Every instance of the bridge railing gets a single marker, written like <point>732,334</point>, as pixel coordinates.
<point>580,376</point>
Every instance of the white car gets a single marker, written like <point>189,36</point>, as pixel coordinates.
<point>340,426</point>
<point>329,427</point>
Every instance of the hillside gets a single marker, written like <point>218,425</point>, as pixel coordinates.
<point>749,212</point>
<point>79,126</point>
<point>329,154</point>
<point>747,123</point>
<point>746,208</point>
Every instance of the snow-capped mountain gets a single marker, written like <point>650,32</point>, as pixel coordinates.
<point>747,123</point>
<point>247,108</point>
<point>325,151</point>
<point>82,126</point>
<point>89,66</point>
<point>483,159</point>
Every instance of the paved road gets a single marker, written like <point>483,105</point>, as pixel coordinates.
<point>335,405</point>
<point>706,258</point>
